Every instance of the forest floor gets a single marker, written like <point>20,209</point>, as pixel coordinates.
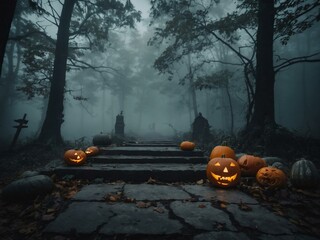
<point>26,220</point>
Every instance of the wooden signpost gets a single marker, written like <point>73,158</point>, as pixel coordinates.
<point>22,124</point>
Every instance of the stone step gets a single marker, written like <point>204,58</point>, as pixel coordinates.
<point>123,159</point>
<point>148,144</point>
<point>135,173</point>
<point>148,151</point>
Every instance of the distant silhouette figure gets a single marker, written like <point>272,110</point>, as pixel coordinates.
<point>119,126</point>
<point>200,129</point>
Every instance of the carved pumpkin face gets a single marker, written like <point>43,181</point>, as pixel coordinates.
<point>271,177</point>
<point>223,172</point>
<point>250,165</point>
<point>187,146</point>
<point>219,151</point>
<point>75,157</point>
<point>92,151</point>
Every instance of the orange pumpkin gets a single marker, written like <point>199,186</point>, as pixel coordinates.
<point>92,151</point>
<point>271,177</point>
<point>219,151</point>
<point>223,172</point>
<point>187,146</point>
<point>250,165</point>
<point>75,157</point>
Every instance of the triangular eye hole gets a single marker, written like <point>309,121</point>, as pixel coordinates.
<point>217,164</point>
<point>232,164</point>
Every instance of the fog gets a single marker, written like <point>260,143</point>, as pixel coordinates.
<point>152,105</point>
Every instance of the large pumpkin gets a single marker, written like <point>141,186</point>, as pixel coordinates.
<point>75,157</point>
<point>92,151</point>
<point>271,177</point>
<point>187,146</point>
<point>223,172</point>
<point>304,174</point>
<point>222,150</point>
<point>250,165</point>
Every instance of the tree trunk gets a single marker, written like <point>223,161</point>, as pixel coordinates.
<point>51,129</point>
<point>7,8</point>
<point>192,90</point>
<point>264,95</point>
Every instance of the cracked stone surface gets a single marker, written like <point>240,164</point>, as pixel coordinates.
<point>80,217</point>
<point>96,192</point>
<point>288,237</point>
<point>222,235</point>
<point>172,211</point>
<point>154,192</point>
<point>202,215</point>
<point>224,195</point>
<point>129,219</point>
<point>109,219</point>
<point>261,219</point>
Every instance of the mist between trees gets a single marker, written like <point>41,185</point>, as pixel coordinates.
<point>72,67</point>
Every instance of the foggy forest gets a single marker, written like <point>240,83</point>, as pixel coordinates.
<point>158,68</point>
<point>69,69</point>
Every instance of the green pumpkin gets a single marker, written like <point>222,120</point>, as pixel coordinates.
<point>304,174</point>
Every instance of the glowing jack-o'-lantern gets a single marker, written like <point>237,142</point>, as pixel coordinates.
<point>187,146</point>
<point>250,165</point>
<point>271,177</point>
<point>75,157</point>
<point>222,150</point>
<point>92,151</point>
<point>223,172</point>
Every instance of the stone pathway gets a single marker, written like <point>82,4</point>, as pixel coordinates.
<point>133,209</point>
<point>193,211</point>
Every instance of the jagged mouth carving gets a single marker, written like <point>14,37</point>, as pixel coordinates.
<point>226,180</point>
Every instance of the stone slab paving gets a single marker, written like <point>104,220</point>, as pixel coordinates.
<point>207,193</point>
<point>171,209</point>
<point>154,192</point>
<point>201,215</point>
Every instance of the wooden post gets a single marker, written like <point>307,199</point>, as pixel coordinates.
<point>22,124</point>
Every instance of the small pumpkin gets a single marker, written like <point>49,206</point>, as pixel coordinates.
<point>223,172</point>
<point>92,151</point>
<point>304,174</point>
<point>271,177</point>
<point>75,157</point>
<point>222,150</point>
<point>250,165</point>
<point>187,146</point>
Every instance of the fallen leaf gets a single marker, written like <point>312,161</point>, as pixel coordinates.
<point>158,209</point>
<point>129,200</point>
<point>29,229</point>
<point>222,205</point>
<point>202,205</point>
<point>48,217</point>
<point>200,182</point>
<point>244,207</point>
<point>151,181</point>
<point>143,204</point>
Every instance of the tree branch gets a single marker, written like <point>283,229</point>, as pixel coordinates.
<point>289,62</point>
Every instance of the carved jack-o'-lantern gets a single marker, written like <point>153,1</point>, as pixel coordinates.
<point>218,151</point>
<point>92,151</point>
<point>223,172</point>
<point>271,177</point>
<point>250,165</point>
<point>75,157</point>
<point>187,146</point>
